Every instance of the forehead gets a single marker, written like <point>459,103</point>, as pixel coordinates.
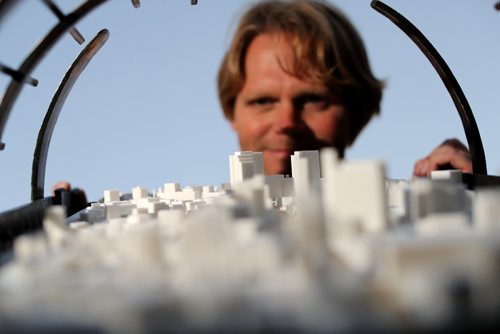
<point>267,50</point>
<point>269,62</point>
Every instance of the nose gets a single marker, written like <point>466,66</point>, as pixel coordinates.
<point>286,118</point>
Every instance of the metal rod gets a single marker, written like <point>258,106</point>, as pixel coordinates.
<point>59,14</point>
<point>194,2</point>
<point>50,120</point>
<point>32,60</point>
<point>16,75</point>
<point>449,80</point>
<point>136,3</point>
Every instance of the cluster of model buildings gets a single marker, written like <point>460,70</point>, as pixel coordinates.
<point>335,246</point>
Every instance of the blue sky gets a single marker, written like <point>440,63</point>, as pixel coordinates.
<point>145,111</point>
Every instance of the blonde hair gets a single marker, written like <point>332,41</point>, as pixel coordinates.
<point>326,49</point>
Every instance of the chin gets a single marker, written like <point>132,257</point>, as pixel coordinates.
<point>278,169</point>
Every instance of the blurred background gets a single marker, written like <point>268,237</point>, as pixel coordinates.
<point>145,110</point>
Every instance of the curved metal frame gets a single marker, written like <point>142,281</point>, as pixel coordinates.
<point>67,24</point>
<point>52,115</point>
<point>61,17</point>
<point>449,80</point>
<point>15,87</point>
<point>16,75</point>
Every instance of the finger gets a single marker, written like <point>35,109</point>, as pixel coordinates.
<point>457,159</point>
<point>463,165</point>
<point>66,186</point>
<point>417,167</point>
<point>431,166</point>
<point>420,167</point>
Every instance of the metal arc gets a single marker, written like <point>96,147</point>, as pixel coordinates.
<point>28,65</point>
<point>52,115</point>
<point>468,121</point>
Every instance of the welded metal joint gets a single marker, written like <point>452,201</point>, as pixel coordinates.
<point>449,80</point>
<point>18,76</point>
<point>77,36</point>
<point>37,54</point>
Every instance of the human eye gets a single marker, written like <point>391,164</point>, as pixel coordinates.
<point>262,104</point>
<point>261,101</point>
<point>313,102</point>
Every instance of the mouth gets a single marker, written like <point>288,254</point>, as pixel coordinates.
<point>280,153</point>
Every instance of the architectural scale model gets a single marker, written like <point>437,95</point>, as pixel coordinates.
<point>335,247</point>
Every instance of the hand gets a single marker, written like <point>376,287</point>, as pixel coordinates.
<point>66,186</point>
<point>451,154</point>
<point>78,199</point>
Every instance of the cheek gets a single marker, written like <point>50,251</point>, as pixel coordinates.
<point>329,127</point>
<point>250,130</point>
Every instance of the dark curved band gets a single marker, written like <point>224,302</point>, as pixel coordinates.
<point>50,120</point>
<point>449,80</point>
<point>28,65</point>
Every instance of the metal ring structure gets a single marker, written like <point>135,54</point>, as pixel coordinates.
<point>61,17</point>
<point>52,115</point>
<point>28,65</point>
<point>449,80</point>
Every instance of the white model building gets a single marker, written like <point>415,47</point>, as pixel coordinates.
<point>335,247</point>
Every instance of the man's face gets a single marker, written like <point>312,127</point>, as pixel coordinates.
<point>277,114</point>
